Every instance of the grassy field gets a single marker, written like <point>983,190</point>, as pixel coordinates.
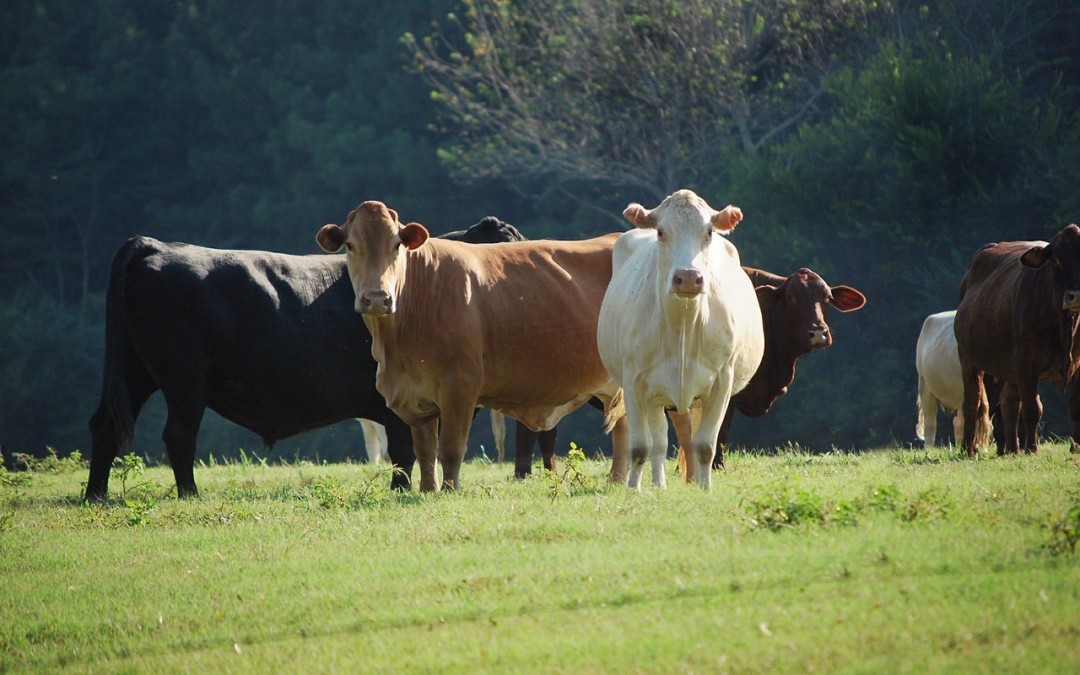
<point>887,561</point>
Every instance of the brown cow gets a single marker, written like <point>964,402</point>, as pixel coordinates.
<point>511,327</point>
<point>1017,322</point>
<point>794,310</point>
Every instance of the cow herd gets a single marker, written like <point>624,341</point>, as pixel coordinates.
<point>417,333</point>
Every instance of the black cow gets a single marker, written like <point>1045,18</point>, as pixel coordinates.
<point>268,341</point>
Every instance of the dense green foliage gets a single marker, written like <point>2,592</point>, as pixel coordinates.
<point>879,143</point>
<point>882,561</point>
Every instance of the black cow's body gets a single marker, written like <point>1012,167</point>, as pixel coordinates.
<point>268,341</point>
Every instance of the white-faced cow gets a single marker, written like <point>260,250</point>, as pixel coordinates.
<point>940,383</point>
<point>680,327</point>
<point>1017,322</point>
<point>268,341</point>
<point>794,310</point>
<point>511,327</point>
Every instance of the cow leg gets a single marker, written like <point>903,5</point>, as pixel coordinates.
<point>641,441</point>
<point>1031,410</point>
<point>454,425</point>
<point>620,451</point>
<point>958,427</point>
<point>524,440</point>
<point>1009,407</point>
<point>683,431</point>
<point>111,436</point>
<point>994,393</point>
<point>926,426</point>
<point>547,440</point>
<point>181,431</point>
<point>708,430</point>
<point>1073,406</point>
<point>399,447</point>
<point>425,440</point>
<point>658,444</point>
<point>722,438</point>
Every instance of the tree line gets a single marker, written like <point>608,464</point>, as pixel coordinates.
<point>878,143</point>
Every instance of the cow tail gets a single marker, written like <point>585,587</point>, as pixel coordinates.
<point>983,430</point>
<point>498,430</point>
<point>920,420</point>
<point>614,410</point>
<point>115,399</point>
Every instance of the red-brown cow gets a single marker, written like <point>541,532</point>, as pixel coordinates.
<point>794,311</point>
<point>1017,322</point>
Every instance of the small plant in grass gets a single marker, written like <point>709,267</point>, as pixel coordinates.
<point>50,463</point>
<point>1063,530</point>
<point>573,478</point>
<point>137,497</point>
<point>930,504</point>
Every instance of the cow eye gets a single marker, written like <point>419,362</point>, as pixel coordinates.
<point>348,246</point>
<point>659,234</point>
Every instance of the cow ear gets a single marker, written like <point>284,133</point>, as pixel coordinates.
<point>413,235</point>
<point>330,237</point>
<point>767,295</point>
<point>1035,257</point>
<point>640,216</point>
<point>727,219</point>
<point>847,299</point>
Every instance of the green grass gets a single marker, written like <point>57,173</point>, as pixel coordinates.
<point>888,561</point>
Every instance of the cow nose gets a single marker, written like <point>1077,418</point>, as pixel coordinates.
<point>688,282</point>
<point>1071,301</point>
<point>819,337</point>
<point>375,303</point>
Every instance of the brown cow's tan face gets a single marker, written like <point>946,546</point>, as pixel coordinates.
<point>376,246</point>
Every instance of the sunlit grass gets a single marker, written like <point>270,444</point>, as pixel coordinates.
<point>882,561</point>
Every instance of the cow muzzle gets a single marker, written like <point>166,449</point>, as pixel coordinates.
<point>375,303</point>
<point>818,338</point>
<point>687,283</point>
<point>1071,301</point>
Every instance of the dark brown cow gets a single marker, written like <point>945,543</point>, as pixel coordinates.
<point>1017,322</point>
<point>511,327</point>
<point>794,310</point>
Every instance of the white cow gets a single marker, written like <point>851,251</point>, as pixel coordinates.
<point>940,382</point>
<point>680,327</point>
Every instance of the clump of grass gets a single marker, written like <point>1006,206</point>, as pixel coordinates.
<point>790,506</point>
<point>332,493</point>
<point>1062,530</point>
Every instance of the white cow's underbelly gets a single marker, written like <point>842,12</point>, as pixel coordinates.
<point>680,385</point>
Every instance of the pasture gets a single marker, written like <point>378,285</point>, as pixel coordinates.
<point>885,561</point>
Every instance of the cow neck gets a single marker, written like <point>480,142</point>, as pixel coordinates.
<point>776,372</point>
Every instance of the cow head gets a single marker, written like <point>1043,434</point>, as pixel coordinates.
<point>685,225</point>
<point>1063,253</point>
<point>797,310</point>
<point>375,244</point>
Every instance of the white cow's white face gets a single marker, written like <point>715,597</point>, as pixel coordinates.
<point>687,230</point>
<point>376,245</point>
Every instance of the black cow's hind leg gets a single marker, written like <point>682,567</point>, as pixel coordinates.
<point>181,431</point>
<point>399,442</point>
